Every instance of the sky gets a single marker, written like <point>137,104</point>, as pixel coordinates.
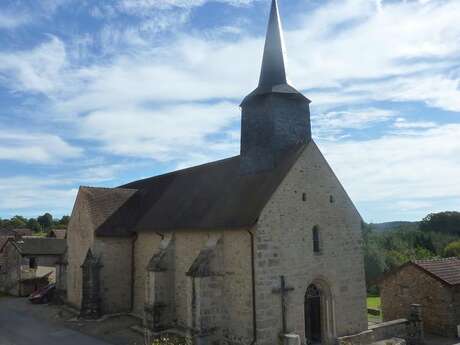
<point>101,93</point>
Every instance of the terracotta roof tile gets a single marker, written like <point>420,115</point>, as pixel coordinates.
<point>446,269</point>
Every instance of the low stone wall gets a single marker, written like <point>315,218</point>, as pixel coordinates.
<point>363,338</point>
<point>390,329</point>
<point>409,330</point>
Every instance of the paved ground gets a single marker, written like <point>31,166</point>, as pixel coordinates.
<point>22,323</point>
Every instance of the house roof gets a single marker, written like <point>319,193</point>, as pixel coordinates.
<point>6,234</point>
<point>110,211</point>
<point>209,196</point>
<point>445,270</point>
<point>40,246</point>
<point>58,233</point>
<point>13,232</point>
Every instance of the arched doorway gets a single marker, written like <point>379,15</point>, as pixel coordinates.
<point>312,307</point>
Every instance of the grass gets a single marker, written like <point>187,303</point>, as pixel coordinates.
<point>373,302</point>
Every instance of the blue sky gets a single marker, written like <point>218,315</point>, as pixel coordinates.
<point>102,93</point>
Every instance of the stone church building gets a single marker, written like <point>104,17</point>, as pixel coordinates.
<point>237,251</point>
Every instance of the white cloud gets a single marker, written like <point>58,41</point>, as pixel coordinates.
<point>402,123</point>
<point>35,194</point>
<point>398,166</point>
<point>334,123</point>
<point>36,70</point>
<point>12,20</point>
<point>34,148</point>
<point>166,134</point>
<point>140,6</point>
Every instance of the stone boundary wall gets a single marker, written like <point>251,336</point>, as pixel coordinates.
<point>390,329</point>
<point>410,329</point>
<point>382,331</point>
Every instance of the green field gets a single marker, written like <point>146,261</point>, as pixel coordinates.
<point>373,302</point>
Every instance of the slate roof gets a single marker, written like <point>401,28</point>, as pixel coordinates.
<point>446,270</point>
<point>40,246</point>
<point>209,196</point>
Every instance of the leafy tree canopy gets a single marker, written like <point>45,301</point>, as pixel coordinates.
<point>44,222</point>
<point>452,249</point>
<point>445,222</point>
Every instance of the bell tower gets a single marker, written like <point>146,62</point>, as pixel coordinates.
<point>275,116</point>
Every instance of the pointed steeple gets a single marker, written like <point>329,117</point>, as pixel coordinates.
<point>275,116</point>
<point>273,70</point>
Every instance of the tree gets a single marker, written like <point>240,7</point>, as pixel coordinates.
<point>18,222</point>
<point>452,249</point>
<point>446,222</point>
<point>46,221</point>
<point>64,221</point>
<point>34,225</point>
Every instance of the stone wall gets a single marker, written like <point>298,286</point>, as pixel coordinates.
<point>115,255</point>
<point>390,329</point>
<point>145,246</point>
<point>115,274</point>
<point>234,319</point>
<point>411,285</point>
<point>80,237</point>
<point>309,196</point>
<point>12,270</point>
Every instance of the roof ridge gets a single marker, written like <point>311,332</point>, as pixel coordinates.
<point>437,259</point>
<point>107,188</point>
<point>179,171</point>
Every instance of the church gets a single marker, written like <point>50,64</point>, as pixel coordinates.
<point>244,250</point>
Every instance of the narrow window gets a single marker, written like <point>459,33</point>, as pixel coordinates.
<point>331,199</point>
<point>32,263</point>
<point>304,196</point>
<point>316,247</point>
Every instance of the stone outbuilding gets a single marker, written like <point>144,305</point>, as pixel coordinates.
<point>434,284</point>
<point>29,263</point>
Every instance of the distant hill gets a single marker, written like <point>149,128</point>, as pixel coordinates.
<point>394,225</point>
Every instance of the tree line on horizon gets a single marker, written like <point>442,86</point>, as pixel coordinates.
<point>435,236</point>
<point>43,223</point>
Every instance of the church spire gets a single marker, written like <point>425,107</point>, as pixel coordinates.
<point>275,117</point>
<point>273,70</point>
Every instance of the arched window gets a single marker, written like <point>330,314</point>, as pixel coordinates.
<point>316,244</point>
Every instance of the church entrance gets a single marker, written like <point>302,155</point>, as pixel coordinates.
<point>312,308</point>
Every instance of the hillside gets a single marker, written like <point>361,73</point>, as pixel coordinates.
<point>394,225</point>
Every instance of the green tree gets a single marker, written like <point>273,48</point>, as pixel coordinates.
<point>452,249</point>
<point>46,221</point>
<point>64,221</point>
<point>18,222</point>
<point>445,222</point>
<point>34,225</point>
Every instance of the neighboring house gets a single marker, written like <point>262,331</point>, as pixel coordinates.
<point>29,263</point>
<point>57,233</point>
<point>434,284</point>
<point>235,251</point>
<point>6,234</point>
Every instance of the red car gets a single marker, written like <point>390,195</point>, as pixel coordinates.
<point>43,295</point>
